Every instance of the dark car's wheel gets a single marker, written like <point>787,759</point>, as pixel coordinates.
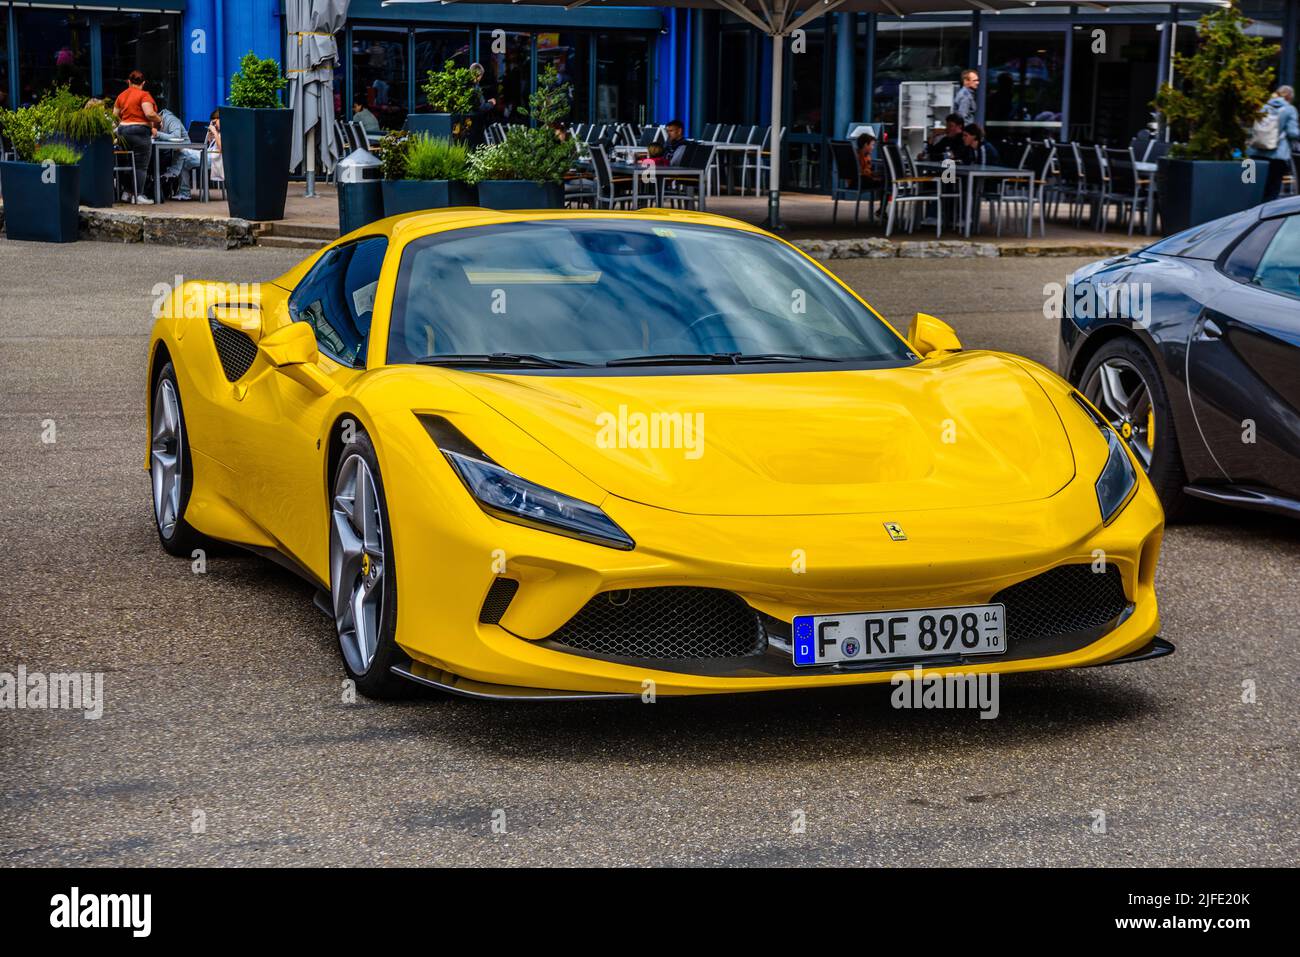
<point>363,580</point>
<point>1123,382</point>
<point>170,470</point>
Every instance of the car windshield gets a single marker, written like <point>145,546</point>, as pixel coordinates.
<point>542,294</point>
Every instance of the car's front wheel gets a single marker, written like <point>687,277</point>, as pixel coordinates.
<point>170,471</point>
<point>1122,381</point>
<point>363,580</point>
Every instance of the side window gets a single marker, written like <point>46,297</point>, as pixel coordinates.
<point>337,298</point>
<point>1242,262</point>
<point>1279,267</point>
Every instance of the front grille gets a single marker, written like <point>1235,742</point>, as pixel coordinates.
<point>498,600</point>
<point>1063,601</point>
<point>670,622</point>
<point>235,350</point>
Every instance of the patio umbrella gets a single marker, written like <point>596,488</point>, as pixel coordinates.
<point>310,55</point>
<point>780,18</point>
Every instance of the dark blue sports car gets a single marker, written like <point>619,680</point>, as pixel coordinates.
<point>1191,348</point>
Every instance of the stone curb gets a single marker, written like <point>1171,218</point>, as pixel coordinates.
<point>876,248</point>
<point>204,232</point>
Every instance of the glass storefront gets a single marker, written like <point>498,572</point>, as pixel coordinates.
<point>144,42</point>
<point>622,73</point>
<point>53,50</point>
<point>433,48</point>
<point>507,60</point>
<point>912,51</point>
<point>380,73</point>
<point>567,52</point>
<point>4,63</point>
<point>1024,83</point>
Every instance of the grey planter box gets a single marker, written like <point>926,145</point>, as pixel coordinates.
<point>439,125</point>
<point>1191,192</point>
<point>256,144</point>
<point>520,194</point>
<point>414,195</point>
<point>36,210</point>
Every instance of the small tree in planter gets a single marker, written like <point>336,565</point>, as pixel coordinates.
<point>41,187</point>
<point>424,172</point>
<point>1226,84</point>
<point>453,97</point>
<point>256,131</point>
<point>526,170</point>
<point>86,126</point>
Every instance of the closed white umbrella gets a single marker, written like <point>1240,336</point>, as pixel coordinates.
<point>779,18</point>
<point>311,53</point>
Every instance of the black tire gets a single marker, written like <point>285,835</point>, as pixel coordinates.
<point>177,537</point>
<point>1166,464</point>
<point>375,679</point>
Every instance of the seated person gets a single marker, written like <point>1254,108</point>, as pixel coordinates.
<point>867,142</point>
<point>948,142</point>
<point>361,114</point>
<point>975,148</point>
<point>654,155</point>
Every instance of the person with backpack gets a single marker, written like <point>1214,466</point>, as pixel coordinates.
<point>1272,138</point>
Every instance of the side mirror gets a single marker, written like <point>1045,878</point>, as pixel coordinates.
<point>294,344</point>
<point>292,350</point>
<point>245,317</point>
<point>929,335</point>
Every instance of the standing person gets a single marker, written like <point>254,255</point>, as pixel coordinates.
<point>1275,134</point>
<point>483,107</point>
<point>963,104</point>
<point>137,115</point>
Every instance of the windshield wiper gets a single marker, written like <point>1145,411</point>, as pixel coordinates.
<point>677,358</point>
<point>783,357</point>
<point>515,359</point>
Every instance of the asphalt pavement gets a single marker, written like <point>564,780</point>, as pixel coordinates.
<point>225,738</point>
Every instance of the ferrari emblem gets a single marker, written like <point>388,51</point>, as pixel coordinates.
<point>1126,430</point>
<point>896,531</point>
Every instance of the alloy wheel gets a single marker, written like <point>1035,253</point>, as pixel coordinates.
<point>357,563</point>
<point>1120,391</point>
<point>165,459</point>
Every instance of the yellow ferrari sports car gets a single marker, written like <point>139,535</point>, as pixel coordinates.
<point>570,454</point>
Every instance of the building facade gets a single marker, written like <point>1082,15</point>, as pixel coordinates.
<point>1080,72</point>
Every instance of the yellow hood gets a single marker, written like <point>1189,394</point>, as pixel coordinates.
<point>968,429</point>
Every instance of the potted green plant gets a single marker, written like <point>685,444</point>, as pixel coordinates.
<point>452,97</point>
<point>424,172</point>
<point>86,126</point>
<point>1227,81</point>
<point>256,132</point>
<point>41,187</point>
<point>526,170</point>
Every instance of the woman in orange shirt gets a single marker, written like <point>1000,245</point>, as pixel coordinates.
<point>137,115</point>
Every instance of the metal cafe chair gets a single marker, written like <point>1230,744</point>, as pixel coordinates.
<point>611,190</point>
<point>847,182</point>
<point>1037,160</point>
<point>1124,188</point>
<point>910,191</point>
<point>686,193</point>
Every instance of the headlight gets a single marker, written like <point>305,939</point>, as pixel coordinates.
<point>505,495</point>
<point>1118,475</point>
<point>1117,478</point>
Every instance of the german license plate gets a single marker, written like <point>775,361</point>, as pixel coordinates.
<point>877,636</point>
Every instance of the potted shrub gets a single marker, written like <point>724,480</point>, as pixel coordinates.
<point>453,97</point>
<point>256,130</point>
<point>424,172</point>
<point>87,127</point>
<point>41,186</point>
<point>526,170</point>
<point>1227,82</point>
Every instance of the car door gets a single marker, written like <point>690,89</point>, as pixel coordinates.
<point>281,465</point>
<point>1243,359</point>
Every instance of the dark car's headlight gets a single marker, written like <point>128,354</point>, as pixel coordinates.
<point>503,494</point>
<point>1118,475</point>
